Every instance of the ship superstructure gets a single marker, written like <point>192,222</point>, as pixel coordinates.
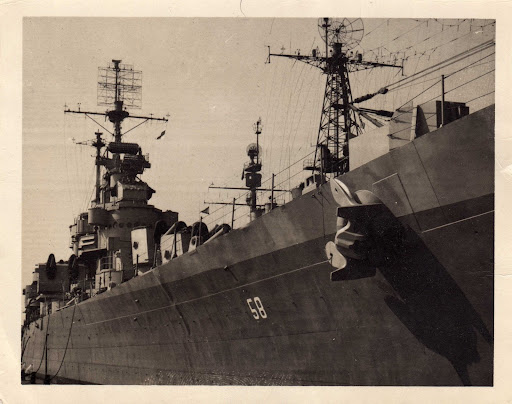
<point>104,254</point>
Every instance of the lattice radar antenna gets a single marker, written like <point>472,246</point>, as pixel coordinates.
<point>347,31</point>
<point>120,82</point>
<point>119,88</point>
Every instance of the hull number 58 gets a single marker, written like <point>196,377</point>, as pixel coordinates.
<point>259,311</point>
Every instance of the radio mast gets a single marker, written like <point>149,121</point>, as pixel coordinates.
<point>119,87</point>
<point>338,123</point>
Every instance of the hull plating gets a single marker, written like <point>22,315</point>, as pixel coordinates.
<point>257,305</point>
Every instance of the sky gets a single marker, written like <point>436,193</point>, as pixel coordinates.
<point>209,75</point>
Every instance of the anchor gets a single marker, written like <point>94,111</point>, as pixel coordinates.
<point>368,235</point>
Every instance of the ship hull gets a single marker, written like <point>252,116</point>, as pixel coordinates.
<point>258,306</point>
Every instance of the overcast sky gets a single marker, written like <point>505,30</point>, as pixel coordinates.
<point>210,76</point>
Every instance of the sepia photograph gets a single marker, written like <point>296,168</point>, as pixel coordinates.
<point>258,201</point>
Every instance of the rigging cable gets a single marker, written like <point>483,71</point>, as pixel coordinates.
<point>282,81</point>
<point>480,96</point>
<point>409,92</point>
<point>436,78</point>
<point>306,98</point>
<point>430,37</point>
<point>402,34</point>
<point>449,75</point>
<point>284,134</point>
<point>434,48</point>
<point>266,116</point>
<point>283,153</point>
<point>437,95</point>
<point>45,340</point>
<point>264,182</point>
<point>373,30</point>
<point>296,109</point>
<point>462,55</point>
<point>67,166</point>
<point>67,342</point>
<point>467,82</point>
<point>293,132</point>
<point>271,137</point>
<point>471,64</point>
<point>86,200</point>
<point>25,343</point>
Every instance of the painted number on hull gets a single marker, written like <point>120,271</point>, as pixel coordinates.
<point>259,311</point>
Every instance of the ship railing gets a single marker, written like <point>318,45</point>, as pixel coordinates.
<point>107,263</point>
<point>310,164</point>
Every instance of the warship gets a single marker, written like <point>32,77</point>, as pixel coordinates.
<point>378,269</point>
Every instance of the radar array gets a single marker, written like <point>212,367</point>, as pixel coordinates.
<point>338,122</point>
<point>119,87</point>
<point>421,48</point>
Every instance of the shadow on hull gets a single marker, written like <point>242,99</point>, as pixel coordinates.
<point>427,301</point>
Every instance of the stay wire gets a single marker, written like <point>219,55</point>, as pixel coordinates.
<point>463,55</point>
<point>436,78</point>
<point>373,30</point>
<point>266,181</point>
<point>480,96</point>
<point>449,75</point>
<point>45,341</point>
<point>437,95</point>
<point>394,39</point>
<point>67,342</point>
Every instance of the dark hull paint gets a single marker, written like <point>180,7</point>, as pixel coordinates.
<point>425,320</point>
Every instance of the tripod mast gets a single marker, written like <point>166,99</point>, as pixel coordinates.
<point>338,121</point>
